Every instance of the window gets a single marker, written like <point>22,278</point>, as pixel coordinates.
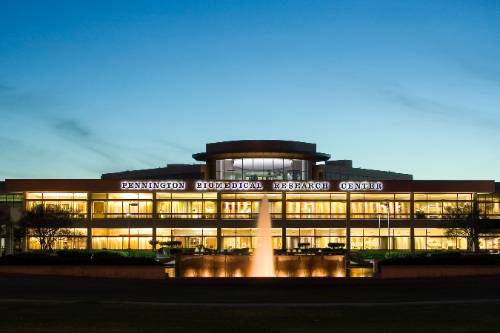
<point>489,205</point>
<point>76,203</point>
<point>122,205</point>
<point>122,238</point>
<point>246,238</point>
<point>374,206</point>
<point>247,205</point>
<point>380,238</point>
<point>189,237</point>
<point>186,205</point>
<point>11,200</point>
<point>437,206</point>
<point>315,205</point>
<point>262,169</point>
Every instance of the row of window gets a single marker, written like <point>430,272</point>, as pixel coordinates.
<point>188,205</point>
<point>335,196</point>
<point>249,209</point>
<point>361,238</point>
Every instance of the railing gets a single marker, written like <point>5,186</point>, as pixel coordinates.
<point>374,216</point>
<point>170,216</point>
<point>318,216</point>
<point>122,216</point>
<point>207,216</point>
<point>246,216</point>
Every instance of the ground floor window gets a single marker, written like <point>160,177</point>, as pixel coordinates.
<point>122,238</point>
<point>380,239</point>
<point>75,239</point>
<point>188,237</point>
<point>436,239</point>
<point>313,237</point>
<point>490,242</point>
<point>246,238</point>
<point>240,238</point>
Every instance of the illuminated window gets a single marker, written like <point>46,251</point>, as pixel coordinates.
<point>374,206</point>
<point>186,205</point>
<point>262,169</point>
<point>76,203</point>
<point>122,205</point>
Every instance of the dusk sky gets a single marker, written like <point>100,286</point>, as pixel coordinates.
<point>100,86</point>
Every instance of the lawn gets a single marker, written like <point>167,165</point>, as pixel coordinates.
<point>105,317</point>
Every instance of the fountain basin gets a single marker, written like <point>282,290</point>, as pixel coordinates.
<point>234,266</point>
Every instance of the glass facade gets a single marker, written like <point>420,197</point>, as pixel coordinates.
<point>436,239</point>
<point>73,202</point>
<point>313,237</point>
<point>489,205</point>
<point>122,238</point>
<point>298,207</point>
<point>316,205</point>
<point>198,205</point>
<point>247,205</point>
<point>189,238</point>
<point>380,238</point>
<point>11,199</point>
<point>373,206</point>
<point>239,238</point>
<point>122,205</point>
<point>262,169</point>
<point>436,206</point>
<point>75,240</point>
<point>186,205</point>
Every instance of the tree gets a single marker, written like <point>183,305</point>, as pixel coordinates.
<point>47,224</point>
<point>465,223</point>
<point>153,243</point>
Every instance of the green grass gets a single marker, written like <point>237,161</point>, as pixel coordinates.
<point>98,317</point>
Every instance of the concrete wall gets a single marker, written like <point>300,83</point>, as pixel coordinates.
<point>120,272</point>
<point>420,271</point>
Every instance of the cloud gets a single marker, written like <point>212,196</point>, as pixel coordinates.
<point>481,71</point>
<point>5,88</point>
<point>424,106</point>
<point>72,128</point>
<point>79,134</point>
<point>50,115</point>
<point>177,146</point>
<point>12,145</point>
<point>15,103</point>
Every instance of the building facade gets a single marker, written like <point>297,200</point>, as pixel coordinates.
<point>215,204</point>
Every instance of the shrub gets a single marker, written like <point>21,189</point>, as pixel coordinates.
<point>336,246</point>
<point>444,258</point>
<point>73,257</point>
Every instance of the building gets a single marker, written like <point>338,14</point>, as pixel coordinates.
<point>214,204</point>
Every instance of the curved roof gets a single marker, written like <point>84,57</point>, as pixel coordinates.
<point>261,148</point>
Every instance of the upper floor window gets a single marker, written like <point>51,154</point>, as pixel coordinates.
<point>262,169</point>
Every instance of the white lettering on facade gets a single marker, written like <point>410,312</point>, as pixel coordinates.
<point>151,185</point>
<point>361,186</point>
<point>301,186</point>
<point>202,185</point>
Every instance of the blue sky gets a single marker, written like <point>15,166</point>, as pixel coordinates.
<point>100,86</point>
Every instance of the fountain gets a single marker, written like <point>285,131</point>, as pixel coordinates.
<point>262,263</point>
